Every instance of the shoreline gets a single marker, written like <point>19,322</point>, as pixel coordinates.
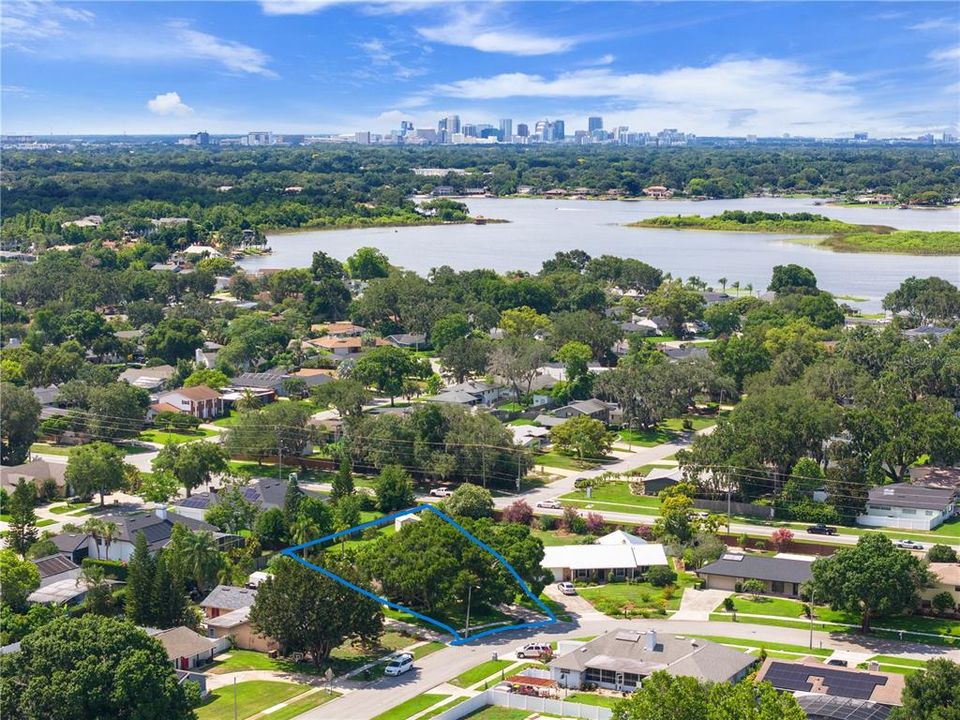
<point>373,226</point>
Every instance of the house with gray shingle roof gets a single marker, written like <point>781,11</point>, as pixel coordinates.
<point>780,576</point>
<point>621,659</point>
<point>909,506</point>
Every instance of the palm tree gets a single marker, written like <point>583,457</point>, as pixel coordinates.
<point>108,531</point>
<point>304,529</point>
<point>736,286</point>
<point>201,558</point>
<point>93,528</point>
<point>723,283</point>
<point>246,402</point>
<point>750,288</point>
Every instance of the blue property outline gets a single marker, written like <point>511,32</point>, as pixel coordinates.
<point>458,638</point>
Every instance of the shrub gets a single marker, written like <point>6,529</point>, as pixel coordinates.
<point>728,604</point>
<point>518,512</point>
<point>781,537</point>
<point>743,540</point>
<point>111,568</point>
<point>547,523</point>
<point>48,489</point>
<point>661,576</point>
<point>942,553</point>
<point>943,602</point>
<point>669,591</point>
<point>644,531</point>
<point>595,523</point>
<point>754,587</point>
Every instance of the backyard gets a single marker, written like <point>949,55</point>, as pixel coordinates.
<point>174,437</point>
<point>636,598</point>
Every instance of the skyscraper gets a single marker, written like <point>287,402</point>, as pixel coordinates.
<point>506,129</point>
<point>453,124</point>
<point>559,130</point>
<point>594,123</point>
<point>522,130</point>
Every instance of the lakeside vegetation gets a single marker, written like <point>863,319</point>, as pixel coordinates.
<point>842,236</point>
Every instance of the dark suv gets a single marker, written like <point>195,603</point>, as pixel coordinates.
<point>821,529</point>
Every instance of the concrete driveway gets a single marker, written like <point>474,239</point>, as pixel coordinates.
<point>698,604</point>
<point>578,608</point>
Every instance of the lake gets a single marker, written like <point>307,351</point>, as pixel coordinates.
<point>539,228</point>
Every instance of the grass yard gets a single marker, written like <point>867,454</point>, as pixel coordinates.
<point>616,493</point>
<point>411,707</point>
<point>631,599</point>
<point>175,437</point>
<point>593,699</point>
<point>48,449</point>
<point>552,537</point>
<point>226,421</point>
<point>768,646</point>
<point>68,508</point>
<point>897,660</point>
<point>348,657</point>
<point>252,697</point>
<point>493,712</point>
<point>424,650</point>
<point>899,669</point>
<point>560,461</point>
<point>481,672</point>
<point>298,707</point>
<point>241,660</point>
<point>442,708</point>
<point>646,438</point>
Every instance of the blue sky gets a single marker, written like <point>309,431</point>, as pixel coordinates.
<point>728,68</point>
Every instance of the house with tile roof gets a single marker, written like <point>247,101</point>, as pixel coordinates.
<point>200,401</point>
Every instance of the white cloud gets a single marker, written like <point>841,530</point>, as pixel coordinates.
<point>169,104</point>
<point>607,59</point>
<point>471,27</point>
<point>747,96</point>
<point>308,7</point>
<point>232,55</point>
<point>946,54</point>
<point>30,20</point>
<point>936,24</point>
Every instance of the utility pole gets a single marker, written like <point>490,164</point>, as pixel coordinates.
<point>519,468</point>
<point>234,697</point>
<point>811,615</point>
<point>279,455</point>
<point>466,630</point>
<point>728,510</point>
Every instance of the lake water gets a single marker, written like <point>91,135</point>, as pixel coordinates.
<point>539,228</point>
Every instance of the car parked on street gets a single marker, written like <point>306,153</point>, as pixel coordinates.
<point>550,504</point>
<point>909,545</point>
<point>399,665</point>
<point>821,529</point>
<point>566,588</point>
<point>441,492</point>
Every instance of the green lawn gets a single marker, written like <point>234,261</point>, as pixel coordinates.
<point>551,537</point>
<point>44,522</point>
<point>443,708</point>
<point>481,672</point>
<point>298,707</point>
<point>760,644</point>
<point>646,438</point>
<point>342,659</point>
<point>69,507</point>
<point>493,712</point>
<point>897,660</point>
<point>899,669</point>
<point>424,650</point>
<point>48,449</point>
<point>593,699</point>
<point>793,609</point>
<point>174,437</point>
<point>452,616</point>
<point>555,459</point>
<point>227,420</point>
<point>630,599</point>
<point>252,697</point>
<point>616,493</point>
<point>411,707</point>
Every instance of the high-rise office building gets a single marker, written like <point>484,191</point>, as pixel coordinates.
<point>363,138</point>
<point>202,138</point>
<point>522,130</point>
<point>453,124</point>
<point>506,129</point>
<point>259,137</point>
<point>594,123</point>
<point>470,131</point>
<point>559,130</point>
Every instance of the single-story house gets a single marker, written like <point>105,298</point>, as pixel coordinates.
<point>35,472</point>
<point>343,346</point>
<point>188,650</point>
<point>908,506</point>
<point>200,401</point>
<point>265,493</point>
<point>596,561</point>
<point>936,331</point>
<point>685,352</point>
<point>227,610</point>
<point>314,376</point>
<point>594,408</point>
<point>485,393</point>
<point>945,578</point>
<point>341,328</point>
<point>529,435</point>
<point>779,576</point>
<point>54,568</point>
<point>621,659</point>
<point>408,340</point>
<point>148,378</point>
<point>809,676</point>
<point>824,707</point>
<point>272,381</point>
<point>659,479</point>
<point>549,421</point>
<point>46,395</point>
<point>619,537</point>
<point>455,397</point>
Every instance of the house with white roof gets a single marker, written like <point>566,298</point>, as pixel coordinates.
<point>624,555</point>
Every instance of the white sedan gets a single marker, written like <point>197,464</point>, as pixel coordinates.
<point>550,504</point>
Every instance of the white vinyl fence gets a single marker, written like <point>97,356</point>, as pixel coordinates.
<point>525,702</point>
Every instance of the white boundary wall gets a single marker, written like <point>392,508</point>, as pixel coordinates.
<point>525,702</point>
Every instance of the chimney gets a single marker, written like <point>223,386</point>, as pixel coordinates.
<point>650,640</point>
<point>161,512</point>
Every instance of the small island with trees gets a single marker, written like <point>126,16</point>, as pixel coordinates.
<point>839,235</point>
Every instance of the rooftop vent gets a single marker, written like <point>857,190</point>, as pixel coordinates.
<point>628,635</point>
<point>735,557</point>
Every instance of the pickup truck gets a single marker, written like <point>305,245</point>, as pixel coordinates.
<point>821,529</point>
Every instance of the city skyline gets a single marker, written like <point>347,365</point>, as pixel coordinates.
<point>299,66</point>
